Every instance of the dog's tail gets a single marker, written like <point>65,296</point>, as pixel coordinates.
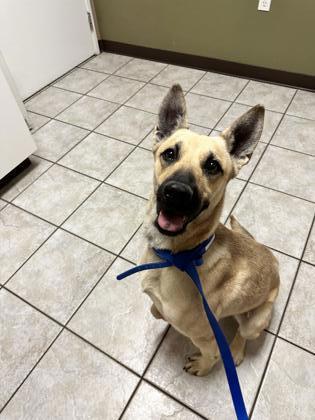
<point>237,227</point>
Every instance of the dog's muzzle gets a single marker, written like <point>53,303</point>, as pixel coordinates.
<point>178,202</point>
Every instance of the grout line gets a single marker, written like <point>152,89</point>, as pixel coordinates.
<point>27,259</point>
<point>32,369</point>
<point>65,230</point>
<point>182,403</point>
<point>86,341</point>
<point>126,191</point>
<point>296,345</point>
<point>266,187</point>
<point>32,130</point>
<point>301,118</point>
<point>218,122</point>
<point>144,372</point>
<point>308,262</point>
<point>257,163</point>
<point>281,320</point>
<point>99,71</point>
<point>46,314</point>
<point>291,150</point>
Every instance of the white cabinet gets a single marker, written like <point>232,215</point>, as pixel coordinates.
<point>16,142</point>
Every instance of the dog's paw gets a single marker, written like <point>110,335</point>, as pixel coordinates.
<point>198,365</point>
<point>238,357</point>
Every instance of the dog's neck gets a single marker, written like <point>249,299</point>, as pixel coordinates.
<point>198,230</point>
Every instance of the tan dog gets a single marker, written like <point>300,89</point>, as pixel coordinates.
<point>239,276</point>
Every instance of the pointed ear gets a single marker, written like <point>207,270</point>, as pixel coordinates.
<point>243,135</point>
<point>172,113</point>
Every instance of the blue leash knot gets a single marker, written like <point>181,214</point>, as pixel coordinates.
<point>187,261</point>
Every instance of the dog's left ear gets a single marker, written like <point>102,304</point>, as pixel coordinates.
<point>242,136</point>
<point>172,113</point>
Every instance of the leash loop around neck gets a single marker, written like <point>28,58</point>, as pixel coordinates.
<point>188,261</point>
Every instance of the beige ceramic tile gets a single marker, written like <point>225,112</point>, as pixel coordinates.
<point>139,69</point>
<point>106,62</point>
<point>80,80</point>
<point>275,219</point>
<point>232,193</point>
<point>135,174</point>
<point>171,75</point>
<point>273,97</point>
<point>36,121</point>
<point>271,121</point>
<point>149,98</point>
<point>148,141</point>
<point>96,156</point>
<point>208,395</point>
<point>20,235</point>
<point>214,133</point>
<point>205,111</point>
<point>108,218</point>
<point>303,105</point>
<point>287,171</point>
<point>23,180</point>
<point>56,194</point>
<point>116,318</point>
<point>288,389</point>
<point>128,124</point>
<point>73,381</point>
<point>61,273</point>
<point>220,86</point>
<point>287,268</point>
<point>199,130</point>
<point>298,323</point>
<point>56,138</point>
<point>116,89</point>
<point>151,404</point>
<point>51,101</point>
<point>25,335</point>
<point>296,134</point>
<point>88,112</point>
<point>135,248</point>
<point>309,254</point>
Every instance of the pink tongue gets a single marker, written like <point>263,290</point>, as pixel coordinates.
<point>170,223</point>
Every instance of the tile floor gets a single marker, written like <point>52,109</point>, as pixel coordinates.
<point>75,343</point>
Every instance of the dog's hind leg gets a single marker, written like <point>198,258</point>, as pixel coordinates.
<point>254,322</point>
<point>237,227</point>
<point>238,347</point>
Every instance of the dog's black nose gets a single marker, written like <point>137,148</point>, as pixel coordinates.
<point>177,192</point>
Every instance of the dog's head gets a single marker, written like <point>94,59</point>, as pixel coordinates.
<point>191,170</point>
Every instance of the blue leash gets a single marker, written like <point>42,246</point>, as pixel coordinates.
<point>188,261</point>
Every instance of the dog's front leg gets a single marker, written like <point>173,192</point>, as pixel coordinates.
<point>201,363</point>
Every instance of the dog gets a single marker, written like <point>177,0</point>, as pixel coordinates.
<point>240,276</point>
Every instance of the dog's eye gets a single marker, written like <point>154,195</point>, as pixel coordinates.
<point>212,167</point>
<point>169,155</point>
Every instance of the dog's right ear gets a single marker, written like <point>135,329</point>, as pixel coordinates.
<point>172,113</point>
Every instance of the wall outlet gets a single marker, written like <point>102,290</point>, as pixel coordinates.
<point>264,5</point>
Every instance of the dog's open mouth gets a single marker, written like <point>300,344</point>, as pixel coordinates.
<point>171,223</point>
